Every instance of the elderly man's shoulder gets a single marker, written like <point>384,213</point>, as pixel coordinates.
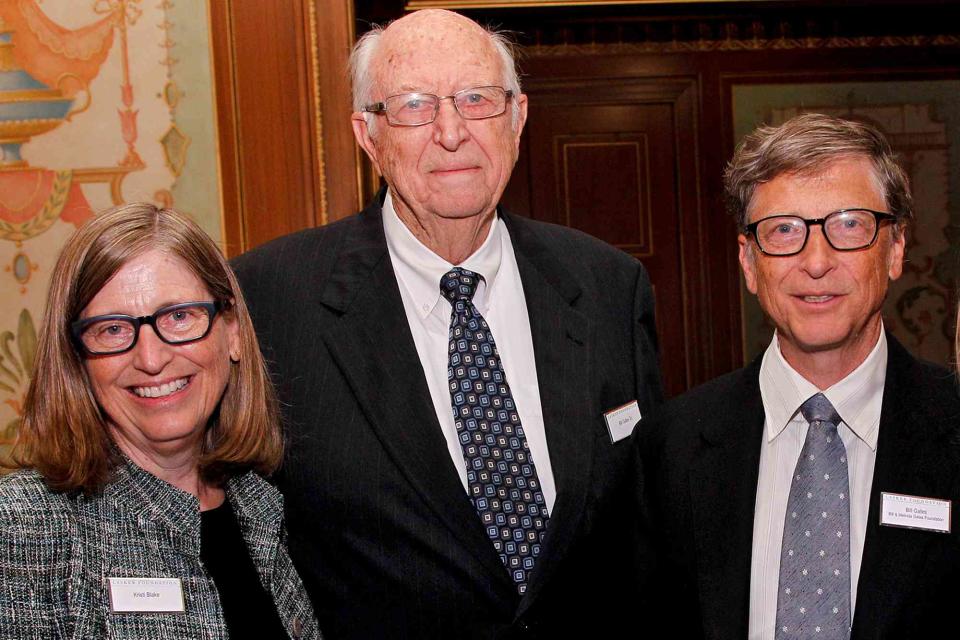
<point>609,273</point>
<point>29,507</point>
<point>312,246</point>
<point>569,242</point>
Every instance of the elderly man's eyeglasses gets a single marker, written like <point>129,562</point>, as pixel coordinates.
<point>117,333</point>
<point>845,230</point>
<point>415,109</point>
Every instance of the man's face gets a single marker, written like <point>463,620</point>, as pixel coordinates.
<point>451,168</point>
<point>822,299</point>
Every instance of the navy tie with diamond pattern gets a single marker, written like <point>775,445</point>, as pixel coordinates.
<point>501,477</point>
<point>813,600</point>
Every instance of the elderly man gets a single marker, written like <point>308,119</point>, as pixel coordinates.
<point>459,384</point>
<point>811,491</point>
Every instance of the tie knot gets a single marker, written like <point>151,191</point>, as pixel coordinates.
<point>459,284</point>
<point>819,408</point>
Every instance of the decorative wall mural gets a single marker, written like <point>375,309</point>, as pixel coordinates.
<point>922,122</point>
<point>96,109</point>
<point>17,350</point>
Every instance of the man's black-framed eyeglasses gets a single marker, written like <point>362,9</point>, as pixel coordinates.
<point>415,109</point>
<point>845,230</point>
<point>117,333</point>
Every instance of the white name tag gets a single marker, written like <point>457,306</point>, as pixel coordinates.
<point>622,420</point>
<point>915,512</point>
<point>146,595</point>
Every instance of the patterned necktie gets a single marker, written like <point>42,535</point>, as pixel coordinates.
<point>501,477</point>
<point>813,600</point>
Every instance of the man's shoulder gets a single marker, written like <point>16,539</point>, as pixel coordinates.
<point>569,254</point>
<point>930,388</point>
<point>721,391</point>
<point>686,414</point>
<point>566,241</point>
<point>918,381</point>
<point>297,248</point>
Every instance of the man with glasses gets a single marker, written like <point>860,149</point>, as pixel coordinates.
<point>810,493</point>
<point>459,383</point>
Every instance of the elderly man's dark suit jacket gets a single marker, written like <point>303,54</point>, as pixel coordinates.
<point>381,528</point>
<point>701,457</point>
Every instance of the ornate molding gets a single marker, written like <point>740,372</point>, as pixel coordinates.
<point>753,44</point>
<point>456,5</point>
<point>317,111</point>
<point>760,32</point>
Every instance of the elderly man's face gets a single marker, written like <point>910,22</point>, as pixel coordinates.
<point>822,299</point>
<point>451,168</point>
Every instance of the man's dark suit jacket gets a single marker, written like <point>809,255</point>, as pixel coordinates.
<point>381,528</point>
<point>700,462</point>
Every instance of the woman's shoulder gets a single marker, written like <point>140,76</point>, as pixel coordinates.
<point>37,530</point>
<point>254,497</point>
<point>25,499</point>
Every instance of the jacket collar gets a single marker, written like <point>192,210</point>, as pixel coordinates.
<point>366,247</point>
<point>152,501</point>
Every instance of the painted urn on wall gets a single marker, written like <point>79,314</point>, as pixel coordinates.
<point>27,106</point>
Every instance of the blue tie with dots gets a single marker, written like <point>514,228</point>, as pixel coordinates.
<point>501,477</point>
<point>813,600</point>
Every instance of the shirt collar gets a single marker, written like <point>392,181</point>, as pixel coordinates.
<point>857,398</point>
<point>420,269</point>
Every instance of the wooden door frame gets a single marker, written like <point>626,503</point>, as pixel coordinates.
<point>278,80</point>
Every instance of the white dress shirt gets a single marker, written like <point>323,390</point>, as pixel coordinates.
<point>499,298</point>
<point>857,399</point>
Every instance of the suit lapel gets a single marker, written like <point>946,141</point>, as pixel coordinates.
<point>561,342</point>
<point>723,489</point>
<point>372,344</point>
<point>912,459</point>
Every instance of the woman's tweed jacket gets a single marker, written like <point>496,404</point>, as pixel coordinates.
<point>56,551</point>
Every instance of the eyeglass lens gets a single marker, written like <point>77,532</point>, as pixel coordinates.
<point>420,108</point>
<point>845,230</point>
<point>175,324</point>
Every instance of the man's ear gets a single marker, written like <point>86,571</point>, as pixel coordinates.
<point>747,263</point>
<point>895,257</point>
<point>521,118</point>
<point>361,132</point>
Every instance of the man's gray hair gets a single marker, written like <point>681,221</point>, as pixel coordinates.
<point>364,52</point>
<point>806,145</point>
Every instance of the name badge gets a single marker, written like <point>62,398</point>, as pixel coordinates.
<point>146,595</point>
<point>622,420</point>
<point>915,512</point>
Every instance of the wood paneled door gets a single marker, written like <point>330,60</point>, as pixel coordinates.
<point>609,158</point>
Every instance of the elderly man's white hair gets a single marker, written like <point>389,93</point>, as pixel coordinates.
<point>364,52</point>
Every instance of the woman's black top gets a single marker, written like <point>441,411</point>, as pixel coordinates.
<point>248,608</point>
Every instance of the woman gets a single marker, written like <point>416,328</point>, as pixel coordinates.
<point>138,511</point>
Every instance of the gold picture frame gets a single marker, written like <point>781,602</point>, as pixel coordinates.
<point>413,5</point>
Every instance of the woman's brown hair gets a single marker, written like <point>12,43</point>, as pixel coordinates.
<point>63,434</point>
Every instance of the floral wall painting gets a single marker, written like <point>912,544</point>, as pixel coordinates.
<point>921,119</point>
<point>97,108</point>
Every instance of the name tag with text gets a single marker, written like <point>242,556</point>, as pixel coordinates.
<point>622,420</point>
<point>915,512</point>
<point>146,595</point>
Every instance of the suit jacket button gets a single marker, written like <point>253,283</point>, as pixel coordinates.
<point>297,627</point>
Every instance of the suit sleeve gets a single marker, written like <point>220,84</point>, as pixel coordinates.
<point>645,352</point>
